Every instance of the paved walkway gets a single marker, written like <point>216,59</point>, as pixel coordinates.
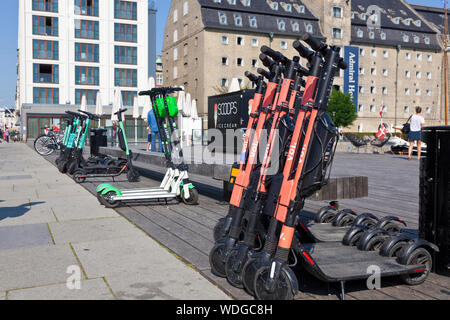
<point>52,230</point>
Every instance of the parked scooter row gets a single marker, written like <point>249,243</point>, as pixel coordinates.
<point>262,238</point>
<point>72,161</point>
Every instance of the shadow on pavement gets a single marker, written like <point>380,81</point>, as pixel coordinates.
<point>15,212</point>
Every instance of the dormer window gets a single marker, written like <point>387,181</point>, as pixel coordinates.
<point>396,20</point>
<point>233,2</point>
<point>418,23</point>
<point>302,9</point>
<point>295,26</point>
<point>222,18</point>
<point>363,16</point>
<point>407,22</point>
<point>360,33</point>
<point>247,3</point>
<point>275,5</point>
<point>337,12</point>
<point>289,7</point>
<point>253,21</point>
<point>383,36</point>
<point>427,40</point>
<point>238,19</point>
<point>281,24</point>
<point>416,39</point>
<point>352,15</point>
<point>405,38</point>
<point>309,28</point>
<point>372,35</point>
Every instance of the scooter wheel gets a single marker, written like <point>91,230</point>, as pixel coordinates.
<point>282,289</point>
<point>109,203</point>
<point>62,166</point>
<point>217,259</point>
<point>72,167</point>
<point>248,274</point>
<point>392,228</point>
<point>79,176</point>
<point>219,229</point>
<point>234,277</point>
<point>396,249</point>
<point>418,256</point>
<point>325,215</point>
<point>375,243</point>
<point>193,197</point>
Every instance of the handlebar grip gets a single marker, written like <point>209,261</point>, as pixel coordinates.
<point>302,50</point>
<point>121,111</point>
<point>275,55</point>
<point>313,42</point>
<point>251,76</point>
<point>145,93</point>
<point>342,64</point>
<point>267,62</point>
<point>264,73</point>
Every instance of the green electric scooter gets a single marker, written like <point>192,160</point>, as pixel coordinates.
<point>176,184</point>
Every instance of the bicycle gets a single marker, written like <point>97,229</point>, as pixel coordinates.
<point>48,142</point>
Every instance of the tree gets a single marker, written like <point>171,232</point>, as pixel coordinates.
<point>341,109</point>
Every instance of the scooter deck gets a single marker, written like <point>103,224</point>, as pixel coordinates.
<point>335,262</point>
<point>325,232</point>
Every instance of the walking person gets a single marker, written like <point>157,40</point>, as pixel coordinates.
<point>153,126</point>
<point>417,122</point>
<point>7,134</point>
<point>149,137</point>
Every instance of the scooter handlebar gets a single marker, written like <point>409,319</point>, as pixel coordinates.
<point>251,76</point>
<point>264,73</point>
<point>275,55</point>
<point>156,91</point>
<point>121,111</point>
<point>267,62</point>
<point>302,50</point>
<point>321,47</point>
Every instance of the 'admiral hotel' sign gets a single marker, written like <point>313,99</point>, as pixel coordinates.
<point>352,73</point>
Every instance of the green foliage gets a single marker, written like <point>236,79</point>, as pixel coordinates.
<point>342,109</point>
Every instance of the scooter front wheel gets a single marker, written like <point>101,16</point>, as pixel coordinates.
<point>193,197</point>
<point>233,272</point>
<point>217,259</point>
<point>79,176</point>
<point>282,289</point>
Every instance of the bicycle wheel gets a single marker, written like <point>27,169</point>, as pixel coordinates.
<point>43,145</point>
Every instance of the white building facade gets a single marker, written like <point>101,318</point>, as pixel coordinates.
<point>71,48</point>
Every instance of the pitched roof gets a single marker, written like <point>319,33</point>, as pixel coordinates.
<point>263,15</point>
<point>398,24</point>
<point>434,15</point>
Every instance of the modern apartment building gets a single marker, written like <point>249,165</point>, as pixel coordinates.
<point>68,49</point>
<point>399,65</point>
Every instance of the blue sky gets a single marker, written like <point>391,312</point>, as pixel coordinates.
<point>8,34</point>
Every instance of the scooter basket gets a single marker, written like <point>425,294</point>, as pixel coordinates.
<point>171,105</point>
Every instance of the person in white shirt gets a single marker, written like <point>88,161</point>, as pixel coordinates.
<point>417,122</point>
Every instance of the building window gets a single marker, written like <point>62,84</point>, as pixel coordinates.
<point>418,92</point>
<point>45,5</point>
<point>175,54</point>
<point>125,55</point>
<point>253,21</point>
<point>419,56</point>
<point>86,52</point>
<point>222,17</point>
<point>360,108</point>
<point>255,42</point>
<point>361,89</point>
<point>175,36</point>
<point>86,29</point>
<point>247,3</point>
<point>407,74</point>
<point>361,70</point>
<point>416,39</point>
<point>46,95</point>
<point>385,72</point>
<point>309,28</point>
<point>360,33</point>
<point>301,9</point>
<point>430,58</point>
<point>240,62</point>
<point>373,71</point>
<point>125,32</point>
<point>224,82</point>
<point>337,12</point>
<point>45,73</point>
<point>238,19</point>
<point>428,93</point>
<point>128,97</point>
<point>224,61</point>
<point>86,7</point>
<point>383,35</point>
<point>125,77</point>
<point>418,75</point>
<point>295,26</point>
<point>288,7</point>
<point>372,108</point>
<point>240,41</point>
<point>185,8</point>
<point>385,91</point>
<point>175,72</point>
<point>428,110</point>
<point>429,75</point>
<point>408,56</point>
<point>362,52</point>
<point>46,26</point>
<point>87,75</point>
<point>159,79</point>
<point>373,52</point>
<point>405,38</point>
<point>44,49</point>
<point>224,40</point>
<point>125,10</point>
<point>406,109</point>
<point>385,53</point>
<point>427,40</point>
<point>337,33</point>
<point>373,90</point>
<point>254,63</point>
<point>281,24</point>
<point>91,96</point>
<point>175,15</point>
<point>407,92</point>
<point>372,35</point>
<point>283,45</point>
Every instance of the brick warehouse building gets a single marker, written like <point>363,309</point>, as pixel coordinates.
<point>209,42</point>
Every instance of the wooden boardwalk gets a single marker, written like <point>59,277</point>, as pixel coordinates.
<point>187,230</point>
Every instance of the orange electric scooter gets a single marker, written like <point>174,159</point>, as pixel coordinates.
<point>279,109</point>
